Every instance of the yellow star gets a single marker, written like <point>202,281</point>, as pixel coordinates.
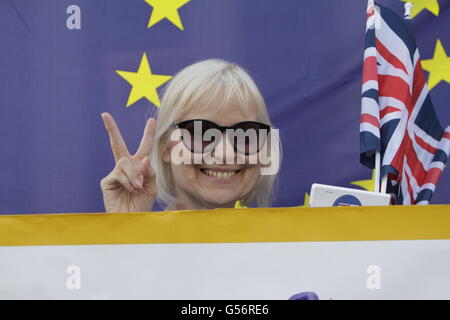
<point>305,201</point>
<point>166,9</point>
<point>143,83</point>
<point>238,204</point>
<point>438,67</point>
<point>368,185</point>
<point>419,5</point>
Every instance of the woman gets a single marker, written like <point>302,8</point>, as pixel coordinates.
<point>211,96</point>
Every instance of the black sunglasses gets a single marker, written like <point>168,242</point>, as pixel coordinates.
<point>202,136</point>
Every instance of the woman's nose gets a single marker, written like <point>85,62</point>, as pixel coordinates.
<point>224,151</point>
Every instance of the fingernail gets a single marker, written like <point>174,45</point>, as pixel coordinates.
<point>104,120</point>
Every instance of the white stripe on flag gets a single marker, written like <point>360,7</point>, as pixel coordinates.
<point>404,186</point>
<point>391,102</point>
<point>425,137</point>
<point>391,116</point>
<point>370,22</point>
<point>385,68</point>
<point>412,180</point>
<point>437,164</point>
<point>370,52</point>
<point>424,156</point>
<point>395,142</point>
<point>418,106</point>
<point>368,127</point>
<point>394,44</point>
<point>430,186</point>
<point>368,85</point>
<point>370,106</point>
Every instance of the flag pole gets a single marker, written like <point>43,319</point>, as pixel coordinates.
<point>377,172</point>
<point>408,7</point>
<point>383,184</point>
<point>370,4</point>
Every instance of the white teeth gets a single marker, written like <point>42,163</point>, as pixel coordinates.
<point>219,174</point>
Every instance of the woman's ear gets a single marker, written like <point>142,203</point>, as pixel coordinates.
<point>166,154</point>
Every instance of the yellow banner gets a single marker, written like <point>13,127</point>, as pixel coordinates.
<point>229,225</point>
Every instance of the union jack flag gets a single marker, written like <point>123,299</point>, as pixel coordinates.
<point>397,115</point>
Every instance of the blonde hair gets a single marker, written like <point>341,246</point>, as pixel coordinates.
<point>199,83</point>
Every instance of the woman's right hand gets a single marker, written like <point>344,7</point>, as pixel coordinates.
<point>130,186</point>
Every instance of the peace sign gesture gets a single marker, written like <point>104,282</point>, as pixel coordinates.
<point>130,186</point>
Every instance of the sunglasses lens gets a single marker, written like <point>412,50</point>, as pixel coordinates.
<point>249,137</point>
<point>194,137</point>
<point>201,136</point>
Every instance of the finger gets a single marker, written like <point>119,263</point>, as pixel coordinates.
<point>114,179</point>
<point>118,146</point>
<point>146,144</point>
<point>149,178</point>
<point>124,181</point>
<point>133,169</point>
<point>148,170</point>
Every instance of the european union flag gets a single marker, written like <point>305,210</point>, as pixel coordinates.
<point>63,63</point>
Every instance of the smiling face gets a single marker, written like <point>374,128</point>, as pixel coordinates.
<point>215,185</point>
<point>223,93</point>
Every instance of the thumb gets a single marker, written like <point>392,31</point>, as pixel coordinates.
<point>148,170</point>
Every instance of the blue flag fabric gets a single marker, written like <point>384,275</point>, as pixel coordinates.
<point>59,61</point>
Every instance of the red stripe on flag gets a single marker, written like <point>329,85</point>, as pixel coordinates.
<point>389,57</point>
<point>414,163</point>
<point>406,150</point>
<point>370,69</point>
<point>392,176</point>
<point>388,110</point>
<point>418,83</point>
<point>424,144</point>
<point>365,117</point>
<point>410,190</point>
<point>432,176</point>
<point>390,86</point>
<point>446,135</point>
<point>397,161</point>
